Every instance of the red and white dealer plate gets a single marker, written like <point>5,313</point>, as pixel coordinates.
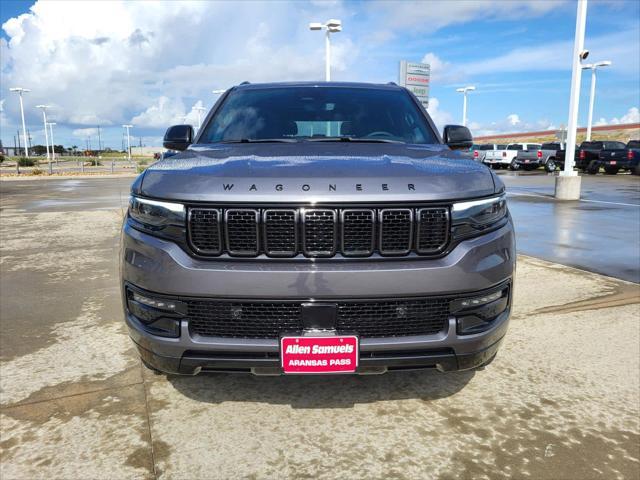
<point>305,355</point>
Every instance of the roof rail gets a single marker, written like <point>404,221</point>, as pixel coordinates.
<point>245,83</point>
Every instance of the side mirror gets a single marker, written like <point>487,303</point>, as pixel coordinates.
<point>457,137</point>
<point>178,137</point>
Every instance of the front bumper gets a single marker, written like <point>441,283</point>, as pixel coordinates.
<point>474,265</point>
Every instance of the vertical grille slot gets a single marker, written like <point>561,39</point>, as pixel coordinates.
<point>358,232</point>
<point>280,232</point>
<point>242,231</point>
<point>319,232</point>
<point>204,230</point>
<point>396,231</point>
<point>432,229</point>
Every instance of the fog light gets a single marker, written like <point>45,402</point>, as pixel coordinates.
<point>153,302</point>
<point>472,302</point>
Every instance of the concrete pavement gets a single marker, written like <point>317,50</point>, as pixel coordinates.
<point>562,399</point>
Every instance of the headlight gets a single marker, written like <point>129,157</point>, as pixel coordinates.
<point>477,216</point>
<point>164,219</point>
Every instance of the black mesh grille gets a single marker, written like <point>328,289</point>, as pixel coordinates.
<point>280,229</point>
<point>358,232</point>
<point>319,232</point>
<point>396,227</point>
<point>386,318</point>
<point>204,230</point>
<point>394,318</point>
<point>433,229</point>
<point>243,320</point>
<point>242,231</point>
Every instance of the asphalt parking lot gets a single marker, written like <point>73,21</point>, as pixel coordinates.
<point>562,399</point>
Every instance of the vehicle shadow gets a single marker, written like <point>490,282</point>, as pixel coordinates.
<point>335,391</point>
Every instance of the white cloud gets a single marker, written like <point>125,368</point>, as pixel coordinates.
<point>440,117</point>
<point>436,14</point>
<point>512,123</point>
<point>441,71</point>
<point>632,116</point>
<point>108,63</point>
<point>85,132</point>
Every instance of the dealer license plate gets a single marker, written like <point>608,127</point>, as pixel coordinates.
<point>309,355</point>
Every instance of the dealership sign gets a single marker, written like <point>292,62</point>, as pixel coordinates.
<point>416,78</point>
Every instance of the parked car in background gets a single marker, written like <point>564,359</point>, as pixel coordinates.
<point>505,158</point>
<point>480,150</point>
<point>588,154</point>
<point>626,159</point>
<point>545,157</point>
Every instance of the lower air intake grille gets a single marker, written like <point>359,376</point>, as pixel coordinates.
<point>384,318</point>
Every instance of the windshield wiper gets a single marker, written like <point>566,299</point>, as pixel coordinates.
<point>260,140</point>
<point>352,139</point>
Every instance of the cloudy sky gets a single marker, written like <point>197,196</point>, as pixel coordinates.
<point>149,64</point>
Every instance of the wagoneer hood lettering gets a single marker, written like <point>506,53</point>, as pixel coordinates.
<point>273,172</point>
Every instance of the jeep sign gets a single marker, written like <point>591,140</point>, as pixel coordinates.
<point>416,77</point>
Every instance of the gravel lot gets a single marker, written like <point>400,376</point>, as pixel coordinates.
<point>561,401</point>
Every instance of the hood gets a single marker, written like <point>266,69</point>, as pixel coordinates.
<point>317,172</point>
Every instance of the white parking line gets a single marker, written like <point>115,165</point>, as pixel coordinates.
<point>521,194</point>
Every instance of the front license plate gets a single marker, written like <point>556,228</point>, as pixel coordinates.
<point>319,354</point>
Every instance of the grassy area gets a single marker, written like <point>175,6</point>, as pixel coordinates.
<point>621,135</point>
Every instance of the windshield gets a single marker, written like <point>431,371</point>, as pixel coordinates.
<point>633,144</point>
<point>319,113</point>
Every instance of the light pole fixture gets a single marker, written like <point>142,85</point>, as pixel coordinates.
<point>464,91</point>
<point>568,182</point>
<point>332,26</point>
<point>20,91</point>
<point>593,67</point>
<point>199,110</point>
<point>46,134</point>
<point>218,92</point>
<point>53,145</point>
<point>127,127</point>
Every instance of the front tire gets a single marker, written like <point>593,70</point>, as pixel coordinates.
<point>593,168</point>
<point>514,166</point>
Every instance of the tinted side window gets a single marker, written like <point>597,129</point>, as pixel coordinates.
<point>592,145</point>
<point>514,147</point>
<point>550,146</point>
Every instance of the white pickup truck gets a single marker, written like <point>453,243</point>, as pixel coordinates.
<point>504,158</point>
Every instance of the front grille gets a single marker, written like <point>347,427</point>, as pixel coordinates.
<point>318,232</point>
<point>383,318</point>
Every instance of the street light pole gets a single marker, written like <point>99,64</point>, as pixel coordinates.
<point>593,67</point>
<point>199,110</point>
<point>46,134</point>
<point>127,127</point>
<point>568,182</point>
<point>53,145</point>
<point>20,91</point>
<point>464,91</point>
<point>332,26</point>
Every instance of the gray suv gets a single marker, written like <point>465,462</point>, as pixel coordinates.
<point>312,228</point>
